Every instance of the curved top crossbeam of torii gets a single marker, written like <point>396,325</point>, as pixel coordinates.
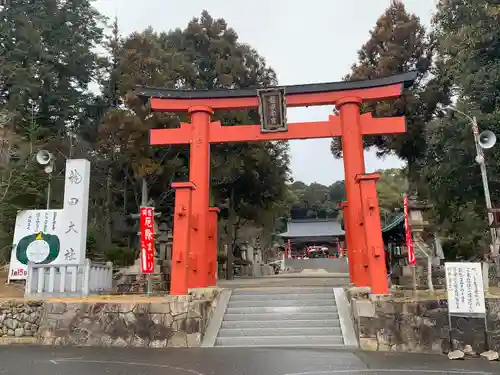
<point>316,94</point>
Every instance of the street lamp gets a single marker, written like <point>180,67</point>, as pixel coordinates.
<point>484,140</point>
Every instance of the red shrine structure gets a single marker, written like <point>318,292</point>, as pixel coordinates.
<point>194,254</point>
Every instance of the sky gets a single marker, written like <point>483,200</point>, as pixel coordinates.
<point>303,41</point>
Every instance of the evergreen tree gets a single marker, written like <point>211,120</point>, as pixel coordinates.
<point>206,54</point>
<point>399,43</point>
<point>247,178</point>
<point>455,188</point>
<point>47,61</point>
<point>467,38</point>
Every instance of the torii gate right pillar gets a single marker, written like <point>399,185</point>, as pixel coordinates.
<point>354,165</point>
<point>375,253</point>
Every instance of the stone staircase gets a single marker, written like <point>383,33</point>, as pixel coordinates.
<point>281,317</point>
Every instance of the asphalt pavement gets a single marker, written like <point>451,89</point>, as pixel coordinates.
<point>25,360</point>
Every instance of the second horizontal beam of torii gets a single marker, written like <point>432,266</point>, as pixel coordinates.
<point>299,130</point>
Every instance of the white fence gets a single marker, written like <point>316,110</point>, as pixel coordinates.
<point>68,280</point>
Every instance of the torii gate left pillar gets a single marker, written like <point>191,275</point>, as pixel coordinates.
<point>199,175</point>
<point>351,125</point>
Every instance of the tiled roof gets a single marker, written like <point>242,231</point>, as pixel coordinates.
<point>313,228</point>
<point>394,222</point>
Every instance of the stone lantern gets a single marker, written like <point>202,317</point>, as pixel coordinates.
<point>416,209</point>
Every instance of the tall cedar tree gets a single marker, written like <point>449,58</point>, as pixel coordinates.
<point>398,44</point>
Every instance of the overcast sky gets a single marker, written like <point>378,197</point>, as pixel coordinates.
<point>304,41</point>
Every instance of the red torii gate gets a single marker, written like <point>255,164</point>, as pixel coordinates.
<point>195,223</point>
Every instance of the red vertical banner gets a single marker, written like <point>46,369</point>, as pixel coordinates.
<point>289,255</point>
<point>409,240</point>
<point>147,240</point>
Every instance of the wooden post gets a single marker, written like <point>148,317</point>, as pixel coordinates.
<point>373,233</point>
<point>212,245</point>
<point>354,164</point>
<point>179,282</point>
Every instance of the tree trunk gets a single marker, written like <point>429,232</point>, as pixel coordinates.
<point>413,176</point>
<point>231,222</point>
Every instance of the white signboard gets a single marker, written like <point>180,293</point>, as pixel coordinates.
<point>35,240</point>
<point>76,209</point>
<point>54,236</point>
<point>464,282</point>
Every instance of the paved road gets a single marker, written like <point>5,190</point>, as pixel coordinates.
<point>226,361</point>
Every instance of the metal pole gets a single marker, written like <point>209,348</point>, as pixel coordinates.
<point>48,190</point>
<point>450,334</point>
<point>484,177</point>
<point>486,336</point>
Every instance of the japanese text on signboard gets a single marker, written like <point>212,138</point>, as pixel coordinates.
<point>272,110</point>
<point>464,282</point>
<point>147,240</point>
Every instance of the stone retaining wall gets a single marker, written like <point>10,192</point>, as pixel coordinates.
<point>174,321</point>
<point>420,326</point>
<point>20,320</point>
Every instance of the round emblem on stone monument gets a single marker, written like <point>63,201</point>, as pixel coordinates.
<point>39,248</point>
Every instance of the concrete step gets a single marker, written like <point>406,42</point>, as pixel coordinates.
<point>280,316</point>
<point>286,296</point>
<point>281,332</point>
<point>280,309</point>
<point>274,341</point>
<point>335,323</point>
<point>330,301</point>
<point>282,291</point>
